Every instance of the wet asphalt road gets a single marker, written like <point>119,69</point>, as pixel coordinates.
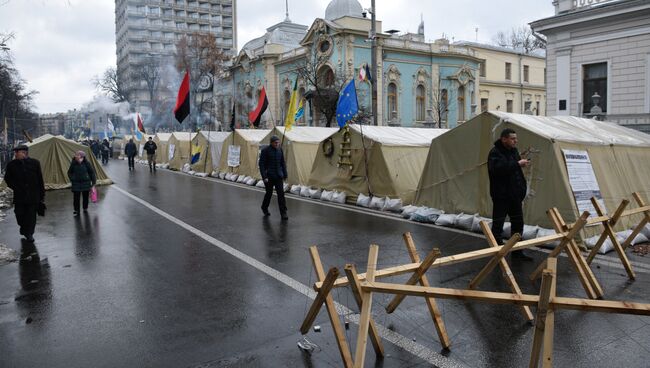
<point>127,285</point>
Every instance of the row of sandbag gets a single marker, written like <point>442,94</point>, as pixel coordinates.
<point>320,194</point>
<point>471,223</point>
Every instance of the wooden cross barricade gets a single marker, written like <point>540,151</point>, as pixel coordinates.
<point>547,302</point>
<point>642,209</point>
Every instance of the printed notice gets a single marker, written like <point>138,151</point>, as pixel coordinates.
<point>172,149</point>
<point>583,181</point>
<point>233,155</point>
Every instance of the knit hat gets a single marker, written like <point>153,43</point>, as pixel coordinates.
<point>21,147</point>
<point>274,138</point>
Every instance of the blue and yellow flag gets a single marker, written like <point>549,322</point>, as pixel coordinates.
<point>196,154</point>
<point>300,112</point>
<point>293,106</point>
<point>347,107</point>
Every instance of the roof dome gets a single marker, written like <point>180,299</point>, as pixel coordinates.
<point>342,8</point>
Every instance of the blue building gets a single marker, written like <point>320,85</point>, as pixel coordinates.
<point>420,83</point>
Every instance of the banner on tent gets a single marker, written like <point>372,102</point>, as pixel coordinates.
<point>234,155</point>
<point>141,149</point>
<point>172,148</point>
<point>582,180</point>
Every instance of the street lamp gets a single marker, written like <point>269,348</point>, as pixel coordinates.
<point>373,56</point>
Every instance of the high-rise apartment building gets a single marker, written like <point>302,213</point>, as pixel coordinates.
<point>149,30</point>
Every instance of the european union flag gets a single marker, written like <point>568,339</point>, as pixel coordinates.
<point>347,107</point>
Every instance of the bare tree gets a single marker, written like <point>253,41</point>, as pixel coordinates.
<point>112,85</point>
<point>199,53</point>
<point>324,83</point>
<point>520,38</point>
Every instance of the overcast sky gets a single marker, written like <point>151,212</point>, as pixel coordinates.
<point>61,44</point>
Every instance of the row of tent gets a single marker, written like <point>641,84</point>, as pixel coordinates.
<point>437,168</point>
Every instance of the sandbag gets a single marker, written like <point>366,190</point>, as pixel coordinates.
<point>426,215</point>
<point>506,233</point>
<point>541,232</point>
<point>295,189</point>
<point>185,168</point>
<point>646,231</point>
<point>393,205</point>
<point>228,176</point>
<point>200,174</point>
<point>446,219</point>
<point>222,175</point>
<point>315,193</point>
<point>464,222</point>
<point>234,177</point>
<point>476,224</point>
<point>407,211</point>
<point>260,184</point>
<point>304,191</point>
<point>339,197</point>
<point>191,172</point>
<point>251,181</point>
<point>377,203</point>
<point>326,195</point>
<point>285,187</point>
<point>363,200</point>
<point>530,232</point>
<point>638,239</point>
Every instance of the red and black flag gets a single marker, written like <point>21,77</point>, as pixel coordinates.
<point>182,108</point>
<point>262,104</point>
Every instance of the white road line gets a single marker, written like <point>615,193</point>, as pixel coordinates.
<point>403,342</point>
<point>602,260</point>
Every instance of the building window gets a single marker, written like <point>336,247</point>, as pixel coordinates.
<point>461,103</point>
<point>482,72</point>
<point>444,104</point>
<point>508,105</point>
<point>419,103</point>
<point>484,104</point>
<point>527,107</point>
<point>594,80</point>
<point>537,109</point>
<point>392,102</point>
<point>526,71</point>
<point>508,71</point>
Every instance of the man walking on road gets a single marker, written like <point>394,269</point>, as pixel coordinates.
<point>507,187</point>
<point>273,170</point>
<point>130,150</point>
<point>24,177</point>
<point>151,148</point>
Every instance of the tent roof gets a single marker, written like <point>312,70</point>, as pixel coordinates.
<point>308,134</point>
<point>576,130</point>
<point>215,136</point>
<point>254,135</point>
<point>164,137</point>
<point>399,136</point>
<point>183,136</point>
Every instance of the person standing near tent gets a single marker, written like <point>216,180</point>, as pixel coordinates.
<point>24,176</point>
<point>83,178</point>
<point>130,150</point>
<point>106,150</point>
<point>151,148</point>
<point>507,187</point>
<point>274,171</point>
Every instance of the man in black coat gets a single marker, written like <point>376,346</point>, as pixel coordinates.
<point>273,170</point>
<point>24,177</point>
<point>151,148</point>
<point>507,186</point>
<point>130,150</point>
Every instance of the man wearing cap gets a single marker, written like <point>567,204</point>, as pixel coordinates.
<point>274,171</point>
<point>23,175</point>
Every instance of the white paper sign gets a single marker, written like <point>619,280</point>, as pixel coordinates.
<point>234,155</point>
<point>172,149</point>
<point>583,181</point>
<point>141,149</point>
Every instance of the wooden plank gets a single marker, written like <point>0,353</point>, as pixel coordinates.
<point>415,277</point>
<point>612,237</point>
<point>635,211</point>
<point>612,221</point>
<point>366,309</point>
<point>436,316</point>
<point>351,273</point>
<point>540,321</point>
<point>494,261</point>
<point>446,261</point>
<point>640,225</point>
<point>506,271</point>
<point>547,353</point>
<point>332,274</point>
<point>602,306</point>
<point>339,333</point>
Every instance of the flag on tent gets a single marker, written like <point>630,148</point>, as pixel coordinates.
<point>182,108</point>
<point>262,104</point>
<point>196,154</point>
<point>300,112</point>
<point>105,133</point>
<point>232,118</point>
<point>293,102</point>
<point>347,106</point>
<point>139,126</point>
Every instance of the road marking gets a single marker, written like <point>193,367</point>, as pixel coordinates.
<point>403,342</point>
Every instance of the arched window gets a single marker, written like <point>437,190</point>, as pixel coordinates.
<point>461,103</point>
<point>444,104</point>
<point>326,76</point>
<point>392,102</point>
<point>420,104</point>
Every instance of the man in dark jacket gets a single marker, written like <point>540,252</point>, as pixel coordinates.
<point>273,171</point>
<point>507,186</point>
<point>130,150</point>
<point>24,177</point>
<point>106,150</point>
<point>151,148</point>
